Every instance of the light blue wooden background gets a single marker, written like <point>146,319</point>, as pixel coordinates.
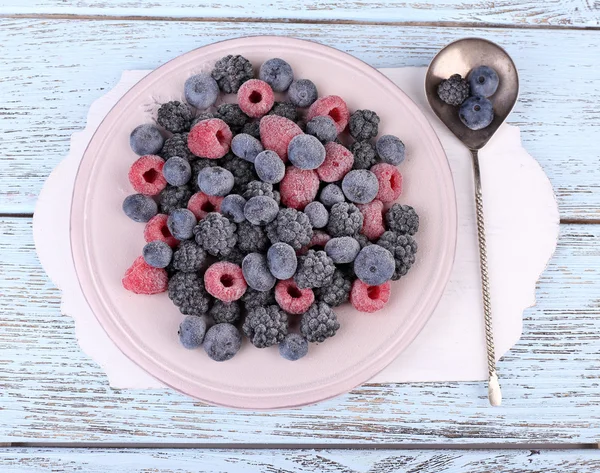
<point>57,56</point>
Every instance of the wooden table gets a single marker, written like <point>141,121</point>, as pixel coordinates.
<point>57,412</point>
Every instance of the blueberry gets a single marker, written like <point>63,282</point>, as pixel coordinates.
<point>139,208</point>
<point>282,260</point>
<point>293,347</point>
<point>157,254</point>
<point>306,152</point>
<point>246,147</point>
<point>215,180</point>
<point>232,207</point>
<point>177,171</point>
<point>277,73</point>
<point>332,194</point>
<point>191,331</point>
<point>201,91</point>
<point>360,186</point>
<point>302,93</point>
<point>323,128</point>
<point>342,249</point>
<point>390,149</point>
<point>483,81</point>
<point>181,223</point>
<point>261,210</point>
<point>146,139</point>
<point>222,342</point>
<point>476,112</point>
<point>269,167</point>
<point>374,265</point>
<point>256,272</point>
<point>317,214</point>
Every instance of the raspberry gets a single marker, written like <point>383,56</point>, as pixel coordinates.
<point>141,278</point>
<point>390,182</point>
<point>338,161</point>
<point>372,213</point>
<point>298,187</point>
<point>145,175</point>
<point>201,204</point>
<point>225,281</point>
<point>175,116</point>
<point>367,298</point>
<point>276,133</point>
<point>255,98</point>
<point>291,298</point>
<point>210,139</point>
<point>317,242</point>
<point>157,230</point>
<point>333,106</point>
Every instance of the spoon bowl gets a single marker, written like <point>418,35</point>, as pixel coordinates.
<point>460,57</point>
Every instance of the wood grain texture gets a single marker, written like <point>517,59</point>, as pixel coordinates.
<point>575,13</point>
<point>50,391</point>
<point>19,460</point>
<point>53,69</point>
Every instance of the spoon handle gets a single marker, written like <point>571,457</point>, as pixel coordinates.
<point>494,393</point>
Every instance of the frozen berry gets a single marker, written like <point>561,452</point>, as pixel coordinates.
<point>367,298</point>
<point>360,186</point>
<point>277,73</point>
<point>317,214</point>
<point>372,213</point>
<point>282,260</point>
<point>252,239</point>
<point>232,207</point>
<point>146,175</point>
<point>246,147</point>
<point>315,269</point>
<point>231,72</point>
<point>210,139</point>
<point>342,249</point>
<point>146,139</point>
<point>201,91</point>
<point>157,229</point>
<point>177,146</point>
<point>215,180</point>
<point>292,227</point>
<point>331,194</point>
<point>252,129</point>
<point>323,128</point>
<point>390,149</point>
<point>364,154</point>
<point>374,265</point>
<point>233,115</point>
<point>175,116</point>
<point>453,90</point>
<point>181,223</point>
<point>276,133</point>
<point>255,188</point>
<point>157,254</point>
<point>189,257</point>
<point>222,342</point>
<point>390,182</point>
<point>317,242</point>
<point>139,207</point>
<point>344,220</point>
<point>202,204</point>
<point>256,272</point>
<point>285,109</point>
<point>261,210</point>
<point>403,248</point>
<point>293,347</point>
<point>141,278</point>
<point>255,98</point>
<point>306,152</point>
<point>177,171</point>
<point>333,106</point>
<point>402,219</point>
<point>216,234</point>
<point>338,162</point>
<point>265,326</point>
<point>483,81</point>
<point>299,187</point>
<point>224,280</point>
<point>302,93</point>
<point>269,167</point>
<point>291,298</point>
<point>319,323</point>
<point>476,113</point>
<point>363,125</point>
<point>174,197</point>
<point>225,312</point>
<point>191,331</point>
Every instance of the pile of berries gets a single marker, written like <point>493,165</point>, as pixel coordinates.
<point>259,220</point>
<point>472,96</point>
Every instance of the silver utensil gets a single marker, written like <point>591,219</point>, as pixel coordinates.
<point>460,57</point>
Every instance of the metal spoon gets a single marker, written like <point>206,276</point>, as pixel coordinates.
<point>460,57</point>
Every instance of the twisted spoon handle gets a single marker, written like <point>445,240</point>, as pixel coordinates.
<point>494,393</point>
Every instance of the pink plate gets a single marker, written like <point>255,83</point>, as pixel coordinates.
<point>105,242</point>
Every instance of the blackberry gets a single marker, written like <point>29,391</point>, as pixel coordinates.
<point>319,323</point>
<point>364,154</point>
<point>256,188</point>
<point>252,129</point>
<point>198,166</point>
<point>216,234</point>
<point>402,219</point>
<point>187,292</point>
<point>362,240</point>
<point>337,292</point>
<point>453,90</point>
<point>284,109</point>
<point>173,197</point>
<point>315,269</point>
<point>403,248</point>
<point>235,256</point>
<point>265,326</point>
<point>242,170</point>
<point>231,72</point>
<point>175,116</point>
<point>292,227</point>
<point>232,114</point>
<point>253,238</point>
<point>225,312</point>
<point>363,125</point>
<point>344,220</point>
<point>189,257</point>
<point>201,117</point>
<point>177,146</point>
<point>252,298</point>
